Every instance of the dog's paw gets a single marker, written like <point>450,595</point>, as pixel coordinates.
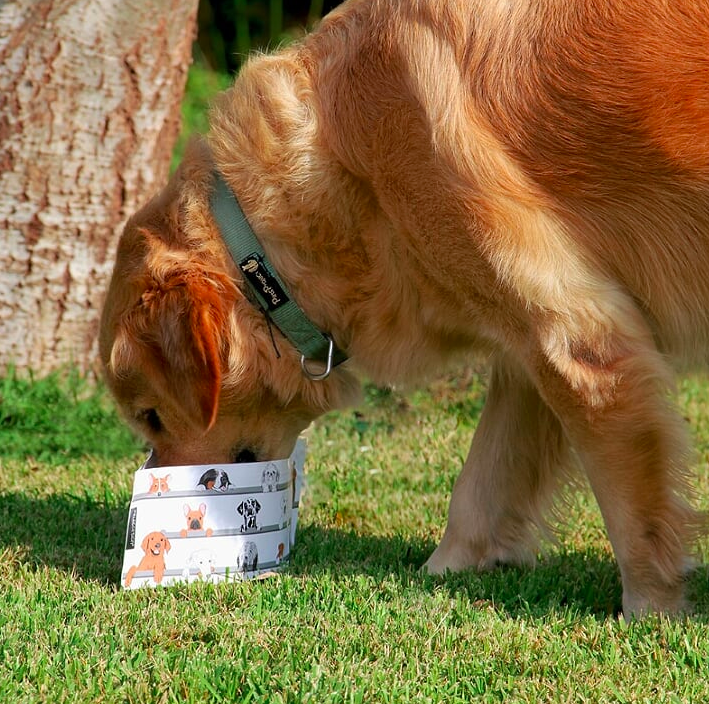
<point>456,555</point>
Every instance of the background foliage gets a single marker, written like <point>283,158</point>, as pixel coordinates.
<point>230,29</point>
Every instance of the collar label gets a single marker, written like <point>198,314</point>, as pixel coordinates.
<point>262,281</point>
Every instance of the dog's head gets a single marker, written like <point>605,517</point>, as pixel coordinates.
<point>155,544</point>
<point>222,482</point>
<point>204,560</point>
<point>159,485</point>
<point>193,363</point>
<point>195,517</point>
<point>270,474</point>
<point>249,507</point>
<point>215,479</point>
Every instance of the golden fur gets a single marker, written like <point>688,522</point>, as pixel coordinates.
<point>529,178</point>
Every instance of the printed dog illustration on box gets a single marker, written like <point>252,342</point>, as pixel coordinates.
<point>249,509</point>
<point>159,485</point>
<point>154,545</point>
<point>285,511</point>
<point>269,478</point>
<point>195,520</point>
<point>247,559</point>
<point>215,480</point>
<point>204,561</point>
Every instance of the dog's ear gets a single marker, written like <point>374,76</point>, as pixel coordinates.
<point>186,509</point>
<point>175,335</point>
<point>203,508</point>
<point>240,508</point>
<point>167,544</point>
<point>145,545</point>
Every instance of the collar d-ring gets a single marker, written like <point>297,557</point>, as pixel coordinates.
<point>313,376</point>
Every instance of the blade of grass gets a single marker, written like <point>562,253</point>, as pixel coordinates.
<point>315,12</point>
<point>275,21</point>
<point>243,33</point>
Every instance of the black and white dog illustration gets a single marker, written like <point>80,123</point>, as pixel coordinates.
<point>269,478</point>
<point>247,559</point>
<point>249,509</point>
<point>215,480</point>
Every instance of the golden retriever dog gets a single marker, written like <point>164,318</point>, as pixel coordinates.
<point>525,178</point>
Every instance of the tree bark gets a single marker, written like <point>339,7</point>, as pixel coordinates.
<point>90,94</point>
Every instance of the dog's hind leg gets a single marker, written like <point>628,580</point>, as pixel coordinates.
<point>610,388</point>
<point>518,454</point>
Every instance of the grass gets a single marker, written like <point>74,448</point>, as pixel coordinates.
<point>353,620</point>
<point>57,418</point>
<point>202,86</point>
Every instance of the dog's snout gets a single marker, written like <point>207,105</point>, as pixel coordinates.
<point>243,454</point>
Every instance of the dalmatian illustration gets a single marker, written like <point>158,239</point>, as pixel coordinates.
<point>248,509</point>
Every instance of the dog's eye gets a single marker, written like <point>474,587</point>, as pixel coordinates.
<point>150,417</point>
<point>245,455</point>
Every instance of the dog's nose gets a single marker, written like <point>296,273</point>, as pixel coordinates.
<point>194,525</point>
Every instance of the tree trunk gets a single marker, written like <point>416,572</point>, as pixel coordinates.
<point>90,94</point>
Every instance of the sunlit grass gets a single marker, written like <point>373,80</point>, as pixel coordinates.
<point>353,619</point>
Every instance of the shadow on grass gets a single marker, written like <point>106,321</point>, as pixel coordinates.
<point>84,535</point>
<point>79,534</point>
<point>586,583</point>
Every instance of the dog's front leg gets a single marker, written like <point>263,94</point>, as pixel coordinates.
<point>518,453</point>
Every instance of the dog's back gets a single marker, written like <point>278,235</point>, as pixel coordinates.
<point>572,126</point>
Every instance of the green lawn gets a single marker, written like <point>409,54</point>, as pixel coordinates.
<point>352,620</point>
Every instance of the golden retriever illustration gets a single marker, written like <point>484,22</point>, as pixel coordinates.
<point>154,545</point>
<point>430,178</point>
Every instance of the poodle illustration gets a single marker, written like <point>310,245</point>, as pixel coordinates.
<point>247,558</point>
<point>249,509</point>
<point>154,545</point>
<point>195,521</point>
<point>269,478</point>
<point>159,485</point>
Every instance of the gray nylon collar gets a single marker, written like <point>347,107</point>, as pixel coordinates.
<point>269,290</point>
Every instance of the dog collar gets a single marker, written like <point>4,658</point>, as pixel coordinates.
<point>268,288</point>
